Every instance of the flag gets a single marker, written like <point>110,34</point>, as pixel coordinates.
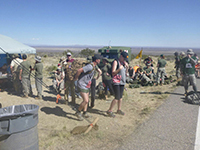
<point>139,55</point>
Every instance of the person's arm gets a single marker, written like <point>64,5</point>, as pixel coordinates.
<point>99,73</point>
<point>20,74</point>
<point>33,67</point>
<point>193,61</point>
<point>114,68</point>
<point>126,66</point>
<point>157,64</point>
<point>79,71</point>
<point>133,74</point>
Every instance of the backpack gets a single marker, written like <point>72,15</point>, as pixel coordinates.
<point>72,67</point>
<point>110,70</point>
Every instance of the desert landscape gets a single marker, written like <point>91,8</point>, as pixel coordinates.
<point>56,121</point>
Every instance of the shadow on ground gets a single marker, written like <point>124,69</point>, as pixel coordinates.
<point>58,111</point>
<point>158,92</point>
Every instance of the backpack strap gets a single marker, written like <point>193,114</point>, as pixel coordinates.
<point>92,69</point>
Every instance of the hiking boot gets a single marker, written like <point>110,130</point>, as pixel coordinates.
<point>30,95</point>
<point>85,115</point>
<point>79,116</point>
<point>110,114</point>
<point>120,112</point>
<point>155,84</point>
<point>25,96</point>
<point>186,93</point>
<point>38,97</point>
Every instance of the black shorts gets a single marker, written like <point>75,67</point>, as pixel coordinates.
<point>118,90</point>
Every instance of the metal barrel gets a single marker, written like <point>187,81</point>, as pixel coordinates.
<point>18,127</point>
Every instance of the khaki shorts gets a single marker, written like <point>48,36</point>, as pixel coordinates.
<point>83,90</point>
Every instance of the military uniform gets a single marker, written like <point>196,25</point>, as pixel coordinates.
<point>161,70</point>
<point>25,76</point>
<point>69,84</point>
<point>38,78</point>
<point>188,70</point>
<point>148,71</point>
<point>177,66</point>
<point>107,79</point>
<point>15,74</point>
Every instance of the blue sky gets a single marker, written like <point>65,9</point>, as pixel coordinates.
<point>160,23</point>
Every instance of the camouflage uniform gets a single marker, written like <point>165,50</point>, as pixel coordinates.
<point>38,78</point>
<point>161,70</point>
<point>149,77</point>
<point>25,76</point>
<point>177,65</point>
<point>188,70</point>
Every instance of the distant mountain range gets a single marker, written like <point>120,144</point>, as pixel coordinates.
<point>135,50</point>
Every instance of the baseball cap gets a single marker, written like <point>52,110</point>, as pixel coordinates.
<point>96,56</point>
<point>125,55</point>
<point>24,56</point>
<point>69,54</point>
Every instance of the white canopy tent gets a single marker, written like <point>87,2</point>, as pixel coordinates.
<point>12,46</point>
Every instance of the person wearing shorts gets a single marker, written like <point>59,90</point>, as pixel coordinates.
<point>119,72</point>
<point>84,76</point>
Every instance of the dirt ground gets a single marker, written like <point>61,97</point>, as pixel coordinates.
<point>57,120</point>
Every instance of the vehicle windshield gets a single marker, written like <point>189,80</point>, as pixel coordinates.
<point>110,56</point>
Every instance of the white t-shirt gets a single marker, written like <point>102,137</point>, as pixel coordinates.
<point>15,63</point>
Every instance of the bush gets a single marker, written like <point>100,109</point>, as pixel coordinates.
<point>87,52</point>
<point>132,56</point>
<point>65,52</point>
<point>51,68</point>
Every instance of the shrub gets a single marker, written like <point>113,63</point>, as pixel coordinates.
<point>51,68</point>
<point>87,52</point>
<point>65,52</point>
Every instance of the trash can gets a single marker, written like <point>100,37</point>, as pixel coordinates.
<point>18,127</point>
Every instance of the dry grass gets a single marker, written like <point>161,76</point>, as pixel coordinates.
<point>57,120</point>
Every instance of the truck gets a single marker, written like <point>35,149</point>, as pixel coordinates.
<point>113,52</point>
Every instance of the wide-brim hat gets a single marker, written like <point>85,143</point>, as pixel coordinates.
<point>105,58</point>
<point>38,58</point>
<point>190,52</point>
<point>16,56</point>
<point>182,53</point>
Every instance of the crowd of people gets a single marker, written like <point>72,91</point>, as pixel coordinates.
<point>21,71</point>
<point>114,77</point>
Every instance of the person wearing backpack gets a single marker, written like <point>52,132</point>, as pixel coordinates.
<point>69,83</point>
<point>119,73</point>
<point>84,76</point>
<point>106,77</point>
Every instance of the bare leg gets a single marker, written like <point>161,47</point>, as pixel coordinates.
<point>84,103</point>
<point>119,104</point>
<point>114,101</point>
